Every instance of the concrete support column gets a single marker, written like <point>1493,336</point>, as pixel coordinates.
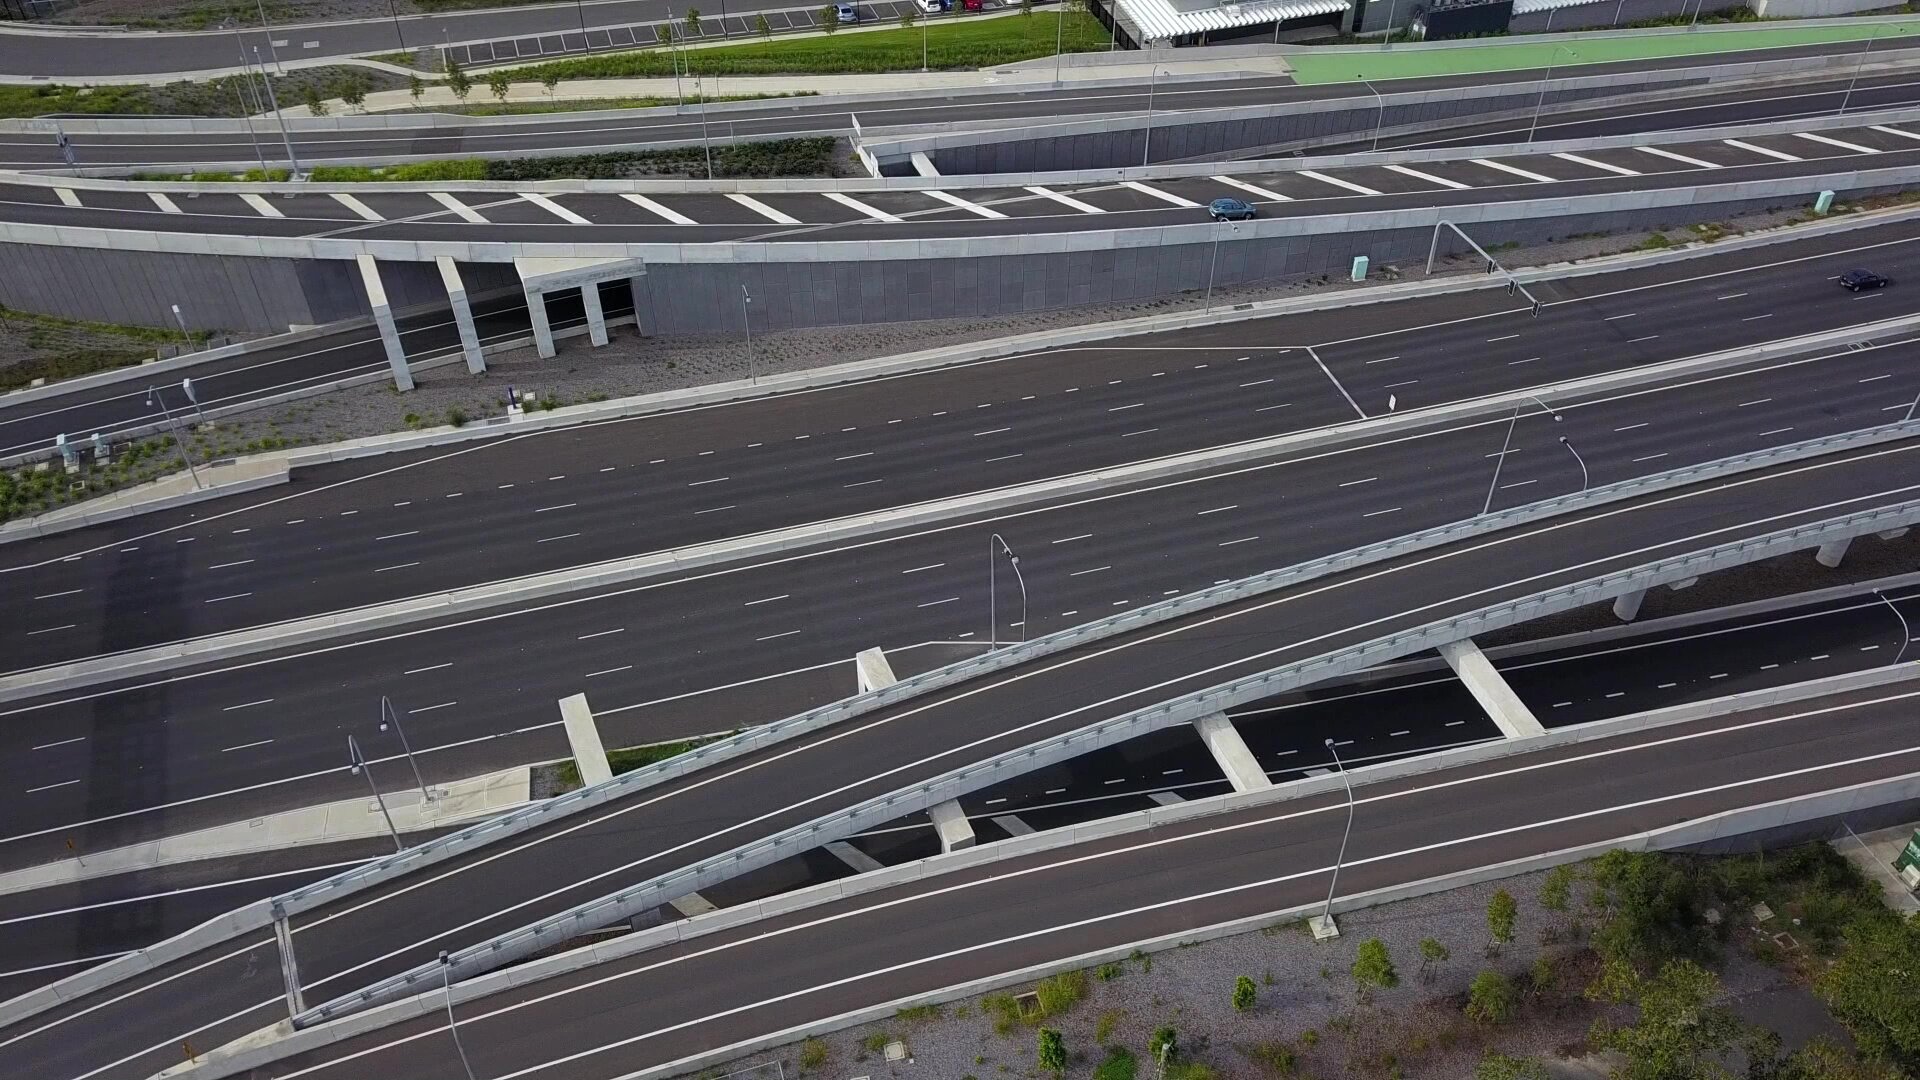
<point>871,671</point>
<point>596,318</point>
<point>542,330</point>
<point>956,832</point>
<point>462,313</point>
<point>693,904</point>
<point>289,969</point>
<point>1683,583</point>
<point>1894,534</point>
<point>1627,605</point>
<point>1485,683</point>
<point>1832,552</point>
<point>383,318</point>
<point>583,738</point>
<point>922,164</point>
<point>1231,753</point>
<point>860,861</point>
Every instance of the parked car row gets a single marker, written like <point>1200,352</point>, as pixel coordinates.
<point>850,13</point>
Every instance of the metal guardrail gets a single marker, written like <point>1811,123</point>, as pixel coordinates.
<point>607,909</point>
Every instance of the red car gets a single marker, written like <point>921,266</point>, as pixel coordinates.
<point>973,5</point>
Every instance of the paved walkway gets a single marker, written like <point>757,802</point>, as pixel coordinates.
<point>1873,853</point>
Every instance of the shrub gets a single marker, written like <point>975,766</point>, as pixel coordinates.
<point>1060,993</point>
<point>1165,1040</point>
<point>1108,972</point>
<point>1053,1051</point>
<point>1275,1057</point>
<point>1491,998</point>
<point>1496,1066</point>
<point>876,1042</point>
<point>1005,1010</point>
<point>1432,954</point>
<point>1373,967</point>
<point>457,416</point>
<point>813,1054</point>
<point>1109,1020</point>
<point>919,1013</point>
<point>1244,994</point>
<point>1502,913</point>
<point>1556,892</point>
<point>1119,1065</point>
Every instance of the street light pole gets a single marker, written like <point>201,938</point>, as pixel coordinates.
<point>453,1026</point>
<point>705,146</point>
<point>1214,263</point>
<point>1059,38</point>
<point>1848,96</point>
<point>1910,408</point>
<point>388,713</point>
<point>1502,459</point>
<point>1583,463</point>
<point>180,444</point>
<point>253,92</point>
<point>993,592</point>
<point>401,37</point>
<point>579,10</point>
<point>1326,913</point>
<point>1544,83</point>
<point>1906,632</point>
<point>1380,116</point>
<point>273,101</point>
<point>267,27</point>
<point>1146,149</point>
<point>357,762</point>
<point>746,320</point>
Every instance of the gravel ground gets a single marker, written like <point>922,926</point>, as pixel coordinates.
<point>1304,986</point>
<point>630,364</point>
<point>202,14</point>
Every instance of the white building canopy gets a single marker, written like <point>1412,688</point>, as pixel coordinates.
<point>1164,20</point>
<point>1528,7</point>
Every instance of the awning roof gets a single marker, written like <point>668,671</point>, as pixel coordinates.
<point>1159,20</point>
<point>1525,7</point>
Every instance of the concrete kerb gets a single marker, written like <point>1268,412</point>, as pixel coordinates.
<point>1590,35</point>
<point>579,579</point>
<point>286,1041</point>
<point>220,480</point>
<point>554,930</point>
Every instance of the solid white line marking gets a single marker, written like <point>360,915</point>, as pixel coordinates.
<point>50,787</point>
<point>432,667</point>
<point>1095,570</point>
<point>608,671</point>
<point>1071,539</point>
<point>1617,170</point>
<point>971,207</point>
<point>852,203</point>
<point>554,208</point>
<point>62,742</point>
<point>235,596</point>
<point>1698,163</point>
<point>1763,151</point>
<point>163,202</point>
<point>229,565</point>
<point>1352,483</point>
<point>937,603</point>
<point>397,566</point>
<point>1065,200</point>
<point>767,600</point>
<point>1251,189</point>
<point>460,210</point>
<point>1163,196</point>
<point>1885,130</point>
<point>398,535</point>
<point>1242,540</point>
<point>1217,510</point>
<point>763,209</point>
<point>430,708</point>
<point>262,206</point>
<point>715,480</point>
<point>562,506</point>
<point>245,746</point>
<point>1428,177</point>
<point>649,205</point>
<point>1514,170</point>
<point>929,566</point>
<point>1337,182</point>
<point>248,705</point>
<point>1826,140</point>
<point>56,595</point>
<point>362,209</point>
<point>783,633</point>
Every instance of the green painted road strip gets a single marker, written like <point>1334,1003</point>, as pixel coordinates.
<point>1413,61</point>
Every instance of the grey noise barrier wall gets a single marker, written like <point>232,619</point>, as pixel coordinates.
<point>252,1053</point>
<point>555,930</point>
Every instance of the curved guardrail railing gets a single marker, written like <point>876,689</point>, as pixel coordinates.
<point>605,910</point>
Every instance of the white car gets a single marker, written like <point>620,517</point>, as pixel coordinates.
<point>931,7</point>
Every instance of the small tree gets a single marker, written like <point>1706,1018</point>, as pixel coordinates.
<point>353,91</point>
<point>693,22</point>
<point>665,33</point>
<point>1244,994</point>
<point>415,88</point>
<point>310,96</point>
<point>1679,1033</point>
<point>458,81</point>
<point>909,17</point>
<point>762,27</point>
<point>1432,953</point>
<point>1502,913</point>
<point>1491,998</point>
<point>1026,7</point>
<point>1496,1066</point>
<point>829,18</point>
<point>1373,968</point>
<point>1874,988</point>
<point>551,81</point>
<point>1053,1051</point>
<point>499,82</point>
<point>1556,892</point>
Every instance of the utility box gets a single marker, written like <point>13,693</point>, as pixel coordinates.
<point>1907,863</point>
<point>1359,268</point>
<point>1823,204</point>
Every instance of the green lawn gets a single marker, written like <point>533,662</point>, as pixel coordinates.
<point>1417,61</point>
<point>950,43</point>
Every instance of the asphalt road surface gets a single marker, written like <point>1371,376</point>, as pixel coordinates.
<point>410,524</point>
<point>217,995</point>
<point>119,762</point>
<point>790,970</point>
<point>47,933</point>
<point>1878,152</point>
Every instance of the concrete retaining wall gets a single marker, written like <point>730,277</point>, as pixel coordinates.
<point>1808,9</point>
<point>1602,16</point>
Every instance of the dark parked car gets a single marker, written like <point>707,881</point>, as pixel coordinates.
<point>1230,210</point>
<point>1857,280</point>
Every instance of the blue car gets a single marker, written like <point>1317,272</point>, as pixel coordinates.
<point>1230,210</point>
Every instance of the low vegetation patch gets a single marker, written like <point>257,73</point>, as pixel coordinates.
<point>780,157</point>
